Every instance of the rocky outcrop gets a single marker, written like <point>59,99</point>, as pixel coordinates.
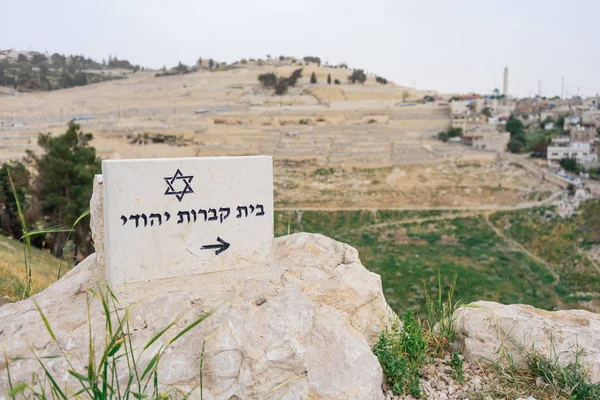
<point>301,327</point>
<point>487,330</point>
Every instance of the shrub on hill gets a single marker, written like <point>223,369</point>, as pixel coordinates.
<point>268,80</point>
<point>280,84</point>
<point>313,78</point>
<point>358,75</point>
<point>451,133</point>
<point>337,82</point>
<point>310,59</point>
<point>381,80</point>
<point>329,79</point>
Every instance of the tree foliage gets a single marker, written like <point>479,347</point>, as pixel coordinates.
<point>313,78</point>
<point>487,112</point>
<point>268,80</point>
<point>515,145</point>
<point>329,79</point>
<point>311,59</point>
<point>381,80</point>
<point>358,75</point>
<point>10,222</point>
<point>570,164</point>
<point>64,178</point>
<point>514,126</point>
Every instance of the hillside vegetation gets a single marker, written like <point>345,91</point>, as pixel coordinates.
<point>12,271</point>
<point>408,248</point>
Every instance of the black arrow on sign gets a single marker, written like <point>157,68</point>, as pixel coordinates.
<point>220,247</point>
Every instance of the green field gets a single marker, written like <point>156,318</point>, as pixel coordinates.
<point>563,243</point>
<point>408,255</point>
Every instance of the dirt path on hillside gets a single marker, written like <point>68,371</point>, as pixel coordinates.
<point>520,247</point>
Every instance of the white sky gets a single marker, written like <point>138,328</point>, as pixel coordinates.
<point>447,45</point>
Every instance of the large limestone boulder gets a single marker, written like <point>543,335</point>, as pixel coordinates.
<point>301,327</point>
<point>486,330</point>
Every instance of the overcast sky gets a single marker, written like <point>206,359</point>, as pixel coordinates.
<point>450,46</point>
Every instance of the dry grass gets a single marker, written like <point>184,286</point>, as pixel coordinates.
<point>44,268</point>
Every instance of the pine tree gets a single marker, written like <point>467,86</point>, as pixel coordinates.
<point>65,174</point>
<point>313,78</point>
<point>329,79</point>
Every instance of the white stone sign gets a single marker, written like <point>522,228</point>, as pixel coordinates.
<point>165,218</point>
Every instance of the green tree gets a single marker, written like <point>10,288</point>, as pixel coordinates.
<point>211,64</point>
<point>487,112</point>
<point>570,164</point>
<point>313,78</point>
<point>268,80</point>
<point>10,222</point>
<point>560,122</point>
<point>329,79</point>
<point>337,82</point>
<point>63,183</point>
<point>281,86</point>
<point>515,145</point>
<point>358,75</point>
<point>514,126</point>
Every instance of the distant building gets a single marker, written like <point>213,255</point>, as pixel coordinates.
<point>487,139</point>
<point>505,86</point>
<point>563,147</point>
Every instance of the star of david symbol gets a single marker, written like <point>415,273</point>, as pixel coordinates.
<point>172,180</point>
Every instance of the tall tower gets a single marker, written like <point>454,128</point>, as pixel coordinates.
<point>505,87</point>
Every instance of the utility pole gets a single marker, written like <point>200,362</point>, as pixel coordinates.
<point>539,88</point>
<point>562,90</point>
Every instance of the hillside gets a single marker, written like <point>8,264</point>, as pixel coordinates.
<point>12,268</point>
<point>555,268</point>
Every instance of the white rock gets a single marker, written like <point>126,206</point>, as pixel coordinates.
<point>310,336</point>
<point>484,328</point>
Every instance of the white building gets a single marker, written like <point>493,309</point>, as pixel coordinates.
<point>563,147</point>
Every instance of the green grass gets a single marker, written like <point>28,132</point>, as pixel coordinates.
<point>101,378</point>
<point>408,257</point>
<point>561,242</point>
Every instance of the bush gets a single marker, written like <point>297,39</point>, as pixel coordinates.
<point>310,59</point>
<point>281,86</point>
<point>381,80</point>
<point>515,145</point>
<point>358,75</point>
<point>329,79</point>
<point>297,74</point>
<point>428,99</point>
<point>443,136</point>
<point>401,353</point>
<point>337,82</point>
<point>571,165</point>
<point>313,78</point>
<point>268,80</point>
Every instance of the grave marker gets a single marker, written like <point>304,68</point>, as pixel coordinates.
<point>165,218</point>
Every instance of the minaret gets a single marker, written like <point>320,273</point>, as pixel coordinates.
<point>505,87</point>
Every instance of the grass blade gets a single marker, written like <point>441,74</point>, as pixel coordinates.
<point>162,332</point>
<point>193,324</point>
<point>54,386</point>
<point>46,323</point>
